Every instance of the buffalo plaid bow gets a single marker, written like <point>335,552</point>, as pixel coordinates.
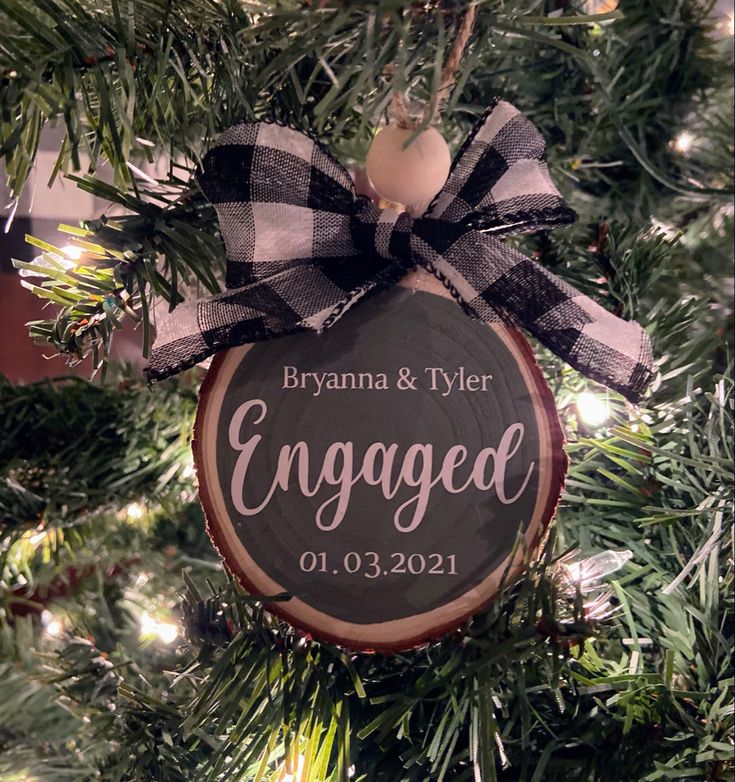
<point>302,248</point>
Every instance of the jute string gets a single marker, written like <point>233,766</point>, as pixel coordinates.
<point>401,113</point>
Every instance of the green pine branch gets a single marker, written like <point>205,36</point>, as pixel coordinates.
<point>327,69</point>
<point>69,449</point>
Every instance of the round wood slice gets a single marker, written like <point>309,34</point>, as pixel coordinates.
<point>380,473</point>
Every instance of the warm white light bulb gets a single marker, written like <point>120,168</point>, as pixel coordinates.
<point>52,626</point>
<point>72,251</point>
<point>730,26</point>
<point>147,623</point>
<point>166,631</point>
<point>592,410</point>
<point>598,566</point>
<point>134,511</point>
<point>683,142</point>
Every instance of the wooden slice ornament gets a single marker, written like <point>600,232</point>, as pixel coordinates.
<point>379,473</point>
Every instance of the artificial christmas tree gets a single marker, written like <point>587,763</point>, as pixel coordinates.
<point>128,652</point>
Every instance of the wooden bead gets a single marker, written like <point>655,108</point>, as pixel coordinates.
<point>410,175</point>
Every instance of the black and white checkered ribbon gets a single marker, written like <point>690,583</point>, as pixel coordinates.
<point>302,248</point>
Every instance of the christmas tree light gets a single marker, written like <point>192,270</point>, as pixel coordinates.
<point>72,251</point>
<point>51,625</point>
<point>592,410</point>
<point>167,632</point>
<point>135,511</point>
<point>598,567</point>
<point>683,142</point>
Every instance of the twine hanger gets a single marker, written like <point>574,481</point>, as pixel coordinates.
<point>400,110</point>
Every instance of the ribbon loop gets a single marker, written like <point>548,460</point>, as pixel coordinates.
<point>302,248</point>
<point>499,180</point>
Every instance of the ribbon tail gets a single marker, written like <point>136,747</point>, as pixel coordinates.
<point>196,330</point>
<point>304,298</point>
<point>493,281</point>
